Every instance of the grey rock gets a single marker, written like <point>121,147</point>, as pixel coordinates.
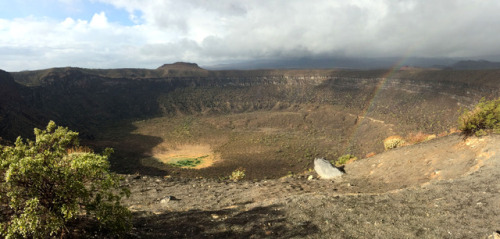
<point>325,169</point>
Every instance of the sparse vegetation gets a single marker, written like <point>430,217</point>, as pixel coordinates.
<point>397,141</point>
<point>371,154</point>
<point>50,184</point>
<point>258,115</point>
<point>237,174</point>
<point>484,116</point>
<point>415,138</point>
<point>345,159</point>
<point>188,162</point>
<point>393,142</point>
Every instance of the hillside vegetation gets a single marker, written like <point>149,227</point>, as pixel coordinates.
<point>282,118</point>
<point>228,154</point>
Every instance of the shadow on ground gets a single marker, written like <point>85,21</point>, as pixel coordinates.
<point>129,148</point>
<point>259,222</point>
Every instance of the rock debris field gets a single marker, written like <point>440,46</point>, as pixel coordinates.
<point>444,188</point>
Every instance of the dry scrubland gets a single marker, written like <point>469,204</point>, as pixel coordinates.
<point>271,122</point>
<point>444,188</point>
<point>267,144</point>
<point>270,125</point>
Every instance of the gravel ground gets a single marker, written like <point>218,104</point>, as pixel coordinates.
<point>445,188</point>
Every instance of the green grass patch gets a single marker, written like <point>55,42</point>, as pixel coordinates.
<point>186,161</point>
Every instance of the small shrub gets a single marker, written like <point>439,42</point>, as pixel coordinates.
<point>48,185</point>
<point>442,134</point>
<point>430,137</point>
<point>484,116</point>
<point>393,142</point>
<point>419,137</point>
<point>345,159</point>
<point>368,155</point>
<point>237,174</point>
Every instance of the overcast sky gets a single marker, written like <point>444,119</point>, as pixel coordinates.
<point>37,34</point>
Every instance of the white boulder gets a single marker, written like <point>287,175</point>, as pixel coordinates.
<point>325,169</point>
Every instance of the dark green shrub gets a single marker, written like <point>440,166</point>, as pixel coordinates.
<point>48,185</point>
<point>484,116</point>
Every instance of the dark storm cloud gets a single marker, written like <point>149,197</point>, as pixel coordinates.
<point>210,32</point>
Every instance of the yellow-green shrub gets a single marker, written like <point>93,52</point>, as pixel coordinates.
<point>393,142</point>
<point>484,116</point>
<point>48,184</point>
<point>237,174</point>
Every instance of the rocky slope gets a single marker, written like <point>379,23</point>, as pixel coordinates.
<point>86,98</point>
<point>355,110</point>
<point>17,115</point>
<point>444,188</point>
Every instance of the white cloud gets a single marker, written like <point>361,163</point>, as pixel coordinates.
<point>208,32</point>
<point>99,21</point>
<point>68,22</point>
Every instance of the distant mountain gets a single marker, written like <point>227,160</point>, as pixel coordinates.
<point>180,66</point>
<point>476,65</point>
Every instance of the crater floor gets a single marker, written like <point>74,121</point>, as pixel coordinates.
<point>444,188</point>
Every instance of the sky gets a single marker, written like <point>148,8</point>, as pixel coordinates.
<point>39,34</point>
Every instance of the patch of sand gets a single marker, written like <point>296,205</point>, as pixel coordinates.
<point>186,151</point>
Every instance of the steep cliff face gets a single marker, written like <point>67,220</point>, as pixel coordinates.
<point>83,99</point>
<point>252,118</point>
<point>17,116</point>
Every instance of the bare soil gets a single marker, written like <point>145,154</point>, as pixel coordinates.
<point>268,144</point>
<point>444,188</point>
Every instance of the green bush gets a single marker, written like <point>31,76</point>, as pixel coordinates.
<point>48,188</point>
<point>393,142</point>
<point>237,174</point>
<point>484,116</point>
<point>344,159</point>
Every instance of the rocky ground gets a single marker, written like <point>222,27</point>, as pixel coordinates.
<point>445,188</point>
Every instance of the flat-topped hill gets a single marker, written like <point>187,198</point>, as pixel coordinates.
<point>180,66</point>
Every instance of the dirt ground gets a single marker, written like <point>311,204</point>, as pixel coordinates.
<point>444,188</point>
